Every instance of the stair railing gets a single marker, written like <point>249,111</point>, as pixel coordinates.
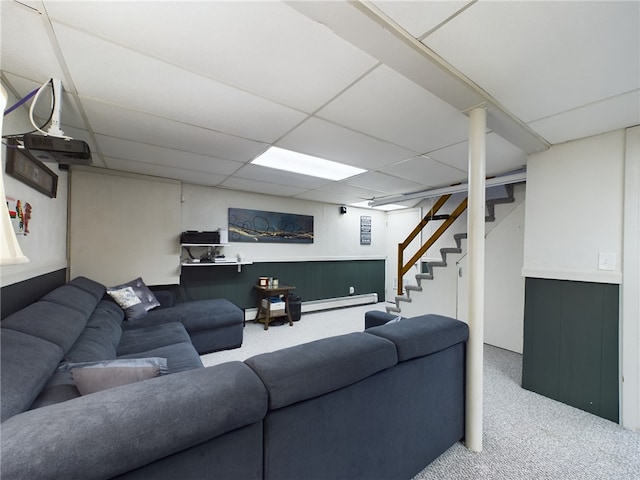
<point>403,268</point>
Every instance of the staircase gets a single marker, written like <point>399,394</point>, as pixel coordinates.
<point>429,266</point>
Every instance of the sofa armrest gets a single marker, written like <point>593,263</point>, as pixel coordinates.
<point>111,432</point>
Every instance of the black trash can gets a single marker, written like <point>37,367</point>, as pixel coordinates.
<point>295,307</point>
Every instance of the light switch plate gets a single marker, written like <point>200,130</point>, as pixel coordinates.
<point>606,261</point>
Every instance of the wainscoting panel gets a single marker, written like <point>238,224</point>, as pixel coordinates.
<point>314,280</point>
<point>19,295</point>
<point>571,343</point>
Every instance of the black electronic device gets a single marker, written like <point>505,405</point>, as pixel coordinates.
<point>55,149</point>
<point>193,236</point>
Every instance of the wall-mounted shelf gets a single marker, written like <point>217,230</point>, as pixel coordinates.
<point>212,248</point>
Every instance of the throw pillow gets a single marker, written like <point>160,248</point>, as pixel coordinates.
<point>147,299</point>
<point>93,377</point>
<point>125,297</point>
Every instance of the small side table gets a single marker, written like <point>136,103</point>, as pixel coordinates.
<point>265,293</point>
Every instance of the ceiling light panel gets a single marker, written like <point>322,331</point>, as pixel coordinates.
<point>290,161</point>
<point>205,102</point>
<point>285,56</point>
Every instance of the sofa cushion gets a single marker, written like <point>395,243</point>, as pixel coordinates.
<point>149,338</point>
<point>107,317</point>
<point>196,315</point>
<point>423,335</point>
<point>305,371</point>
<point>73,297</point>
<point>26,363</point>
<point>52,322</point>
<point>93,377</point>
<point>94,288</point>
<point>180,356</point>
<point>102,334</point>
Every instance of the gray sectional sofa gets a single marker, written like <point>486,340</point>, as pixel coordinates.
<point>382,403</point>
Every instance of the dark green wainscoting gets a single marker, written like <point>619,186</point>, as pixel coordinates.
<point>313,280</point>
<point>571,343</point>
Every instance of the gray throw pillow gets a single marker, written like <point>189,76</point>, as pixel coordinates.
<point>126,294</point>
<point>93,377</point>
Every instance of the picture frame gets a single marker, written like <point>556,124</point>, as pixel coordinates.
<point>269,227</point>
<point>31,171</point>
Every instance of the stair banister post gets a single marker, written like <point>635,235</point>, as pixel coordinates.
<point>475,244</point>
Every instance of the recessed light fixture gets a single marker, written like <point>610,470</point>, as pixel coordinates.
<point>295,162</point>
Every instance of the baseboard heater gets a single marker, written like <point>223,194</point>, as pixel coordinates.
<point>326,304</point>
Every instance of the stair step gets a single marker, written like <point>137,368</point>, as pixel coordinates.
<point>403,298</point>
<point>392,309</point>
<point>437,264</point>
<point>424,276</point>
<point>416,288</point>
<point>450,250</point>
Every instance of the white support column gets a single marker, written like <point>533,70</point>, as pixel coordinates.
<point>475,245</point>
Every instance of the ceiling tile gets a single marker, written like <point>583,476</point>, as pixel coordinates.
<point>116,121</point>
<point>266,48</point>
<point>26,48</point>
<point>383,183</point>
<point>154,155</point>
<point>501,156</point>
<point>418,18</point>
<point>426,171</point>
<point>256,186</point>
<point>342,188</point>
<point>156,87</point>
<point>542,58</point>
<point>604,116</point>
<point>188,176</point>
<point>387,106</point>
<point>279,177</point>
<point>335,198</point>
<point>327,140</point>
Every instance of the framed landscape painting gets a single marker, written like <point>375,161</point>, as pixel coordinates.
<point>269,227</point>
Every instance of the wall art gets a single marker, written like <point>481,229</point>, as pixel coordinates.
<point>365,230</point>
<point>269,227</point>
<point>20,214</point>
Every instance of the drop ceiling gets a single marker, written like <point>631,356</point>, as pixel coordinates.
<point>196,90</point>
